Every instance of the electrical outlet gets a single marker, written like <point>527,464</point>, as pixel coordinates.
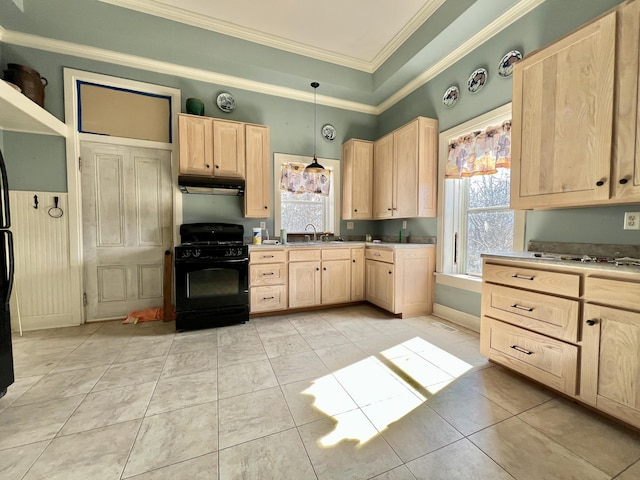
<point>632,220</point>
<point>404,224</point>
<point>349,225</point>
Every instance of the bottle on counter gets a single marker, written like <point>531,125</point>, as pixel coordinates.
<point>283,236</point>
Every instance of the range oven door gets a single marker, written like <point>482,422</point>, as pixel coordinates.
<point>211,293</point>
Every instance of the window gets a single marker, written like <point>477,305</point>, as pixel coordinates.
<point>475,217</point>
<point>294,211</point>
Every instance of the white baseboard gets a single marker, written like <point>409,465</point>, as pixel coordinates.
<point>456,316</point>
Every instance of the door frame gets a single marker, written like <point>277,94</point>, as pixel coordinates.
<point>74,184</point>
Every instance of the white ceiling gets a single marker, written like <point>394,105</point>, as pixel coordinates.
<point>360,34</point>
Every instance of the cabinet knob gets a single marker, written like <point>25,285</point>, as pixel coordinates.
<point>317,269</point>
<point>600,183</point>
<point>355,210</point>
<point>353,261</point>
<point>265,207</point>
<point>208,166</point>
<point>623,181</point>
<point>217,166</point>
<point>389,209</point>
<point>389,272</point>
<point>591,323</point>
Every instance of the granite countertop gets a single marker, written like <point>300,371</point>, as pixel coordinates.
<point>338,244</point>
<point>565,260</point>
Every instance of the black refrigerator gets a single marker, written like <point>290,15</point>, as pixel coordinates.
<point>6,283</point>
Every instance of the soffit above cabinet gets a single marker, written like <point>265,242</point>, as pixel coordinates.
<point>19,114</point>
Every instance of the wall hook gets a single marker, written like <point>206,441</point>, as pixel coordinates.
<point>35,202</point>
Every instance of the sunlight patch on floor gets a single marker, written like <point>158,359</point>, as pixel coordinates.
<point>394,382</point>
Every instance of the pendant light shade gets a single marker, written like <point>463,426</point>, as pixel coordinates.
<point>314,166</point>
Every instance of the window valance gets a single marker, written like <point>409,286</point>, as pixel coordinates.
<point>295,179</point>
<point>480,153</point>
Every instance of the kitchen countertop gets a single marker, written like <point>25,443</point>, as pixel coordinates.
<point>556,260</point>
<point>337,244</point>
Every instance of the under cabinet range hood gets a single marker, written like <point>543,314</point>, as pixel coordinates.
<point>211,186</point>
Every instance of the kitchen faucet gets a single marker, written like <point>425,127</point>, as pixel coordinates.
<point>315,238</point>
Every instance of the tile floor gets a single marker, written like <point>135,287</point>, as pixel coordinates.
<point>347,393</point>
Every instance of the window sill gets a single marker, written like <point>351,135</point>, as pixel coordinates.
<point>463,282</point>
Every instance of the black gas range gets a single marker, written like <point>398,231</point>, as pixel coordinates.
<point>212,276</point>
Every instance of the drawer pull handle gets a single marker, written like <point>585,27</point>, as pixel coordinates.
<point>521,350</point>
<point>267,256</point>
<point>376,254</point>
<point>268,298</point>
<point>591,323</point>
<point>268,273</point>
<point>523,277</point>
<point>520,307</point>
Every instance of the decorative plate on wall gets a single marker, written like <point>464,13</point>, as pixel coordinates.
<point>451,96</point>
<point>328,132</point>
<point>226,102</point>
<point>477,80</point>
<point>505,68</point>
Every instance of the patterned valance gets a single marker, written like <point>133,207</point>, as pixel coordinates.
<point>295,179</point>
<point>480,153</point>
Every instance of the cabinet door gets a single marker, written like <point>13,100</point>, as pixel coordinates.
<point>611,364</point>
<point>383,177</point>
<point>562,120</point>
<point>414,281</point>
<point>336,281</point>
<point>405,186</point>
<point>357,180</point>
<point>626,165</point>
<point>379,282</point>
<point>228,149</point>
<point>257,193</point>
<point>357,274</point>
<point>304,284</point>
<point>196,146</point>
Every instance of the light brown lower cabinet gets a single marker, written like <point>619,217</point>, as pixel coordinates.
<point>583,342</point>
<point>267,281</point>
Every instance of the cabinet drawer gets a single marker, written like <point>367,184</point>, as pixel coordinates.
<point>544,359</point>
<point>336,254</point>
<point>265,299</point>
<point>303,255</point>
<point>267,274</point>
<point>554,316</point>
<point>616,293</point>
<point>268,256</point>
<point>379,254</point>
<point>567,284</point>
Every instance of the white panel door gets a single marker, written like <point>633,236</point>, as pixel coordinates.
<point>126,213</point>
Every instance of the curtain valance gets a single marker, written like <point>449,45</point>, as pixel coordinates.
<point>294,179</point>
<point>480,153</point>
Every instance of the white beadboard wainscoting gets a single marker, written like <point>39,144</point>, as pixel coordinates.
<point>42,286</point>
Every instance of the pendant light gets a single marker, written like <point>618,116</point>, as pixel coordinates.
<point>314,167</point>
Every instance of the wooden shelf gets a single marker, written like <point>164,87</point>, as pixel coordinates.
<point>19,114</point>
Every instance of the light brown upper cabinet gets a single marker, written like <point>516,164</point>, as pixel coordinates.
<point>357,179</point>
<point>257,194</point>
<point>404,171</point>
<point>211,147</point>
<point>196,145</point>
<point>576,134</point>
<point>228,149</point>
<point>625,183</point>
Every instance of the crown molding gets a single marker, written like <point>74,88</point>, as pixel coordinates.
<point>207,23</point>
<point>109,56</point>
<point>510,16</point>
<point>143,63</point>
<point>396,42</point>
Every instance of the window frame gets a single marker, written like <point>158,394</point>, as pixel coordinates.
<point>336,182</point>
<point>452,219</point>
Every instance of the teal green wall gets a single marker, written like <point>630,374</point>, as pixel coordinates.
<point>462,300</point>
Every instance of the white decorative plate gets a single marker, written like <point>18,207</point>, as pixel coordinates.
<point>328,132</point>
<point>226,102</point>
<point>505,68</point>
<point>451,96</point>
<point>477,80</point>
